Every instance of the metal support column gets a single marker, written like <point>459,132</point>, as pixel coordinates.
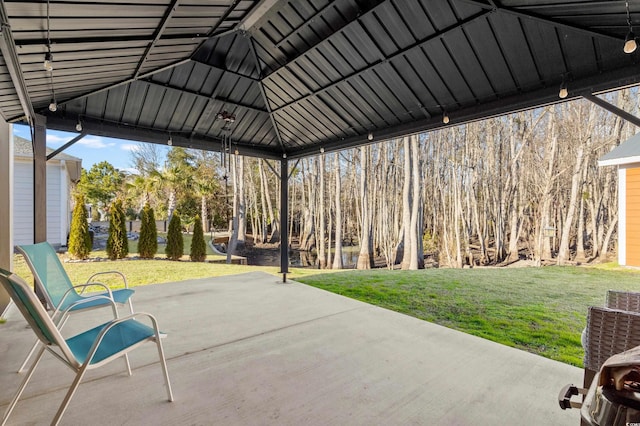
<point>40,179</point>
<point>6,205</point>
<point>613,109</point>
<point>284,219</point>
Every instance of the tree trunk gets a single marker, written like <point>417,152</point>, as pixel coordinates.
<point>337,257</point>
<point>563,250</point>
<point>322,254</point>
<point>417,257</point>
<point>365,258</point>
<point>406,205</point>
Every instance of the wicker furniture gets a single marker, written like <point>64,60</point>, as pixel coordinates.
<point>623,300</point>
<point>610,330</point>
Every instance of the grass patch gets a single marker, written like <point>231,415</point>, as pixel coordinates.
<point>540,310</point>
<point>144,272</point>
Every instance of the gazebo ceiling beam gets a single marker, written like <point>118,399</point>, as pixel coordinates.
<point>203,96</point>
<point>521,13</point>
<point>619,78</point>
<point>158,137</point>
<point>157,35</point>
<point>263,92</point>
<point>370,7</point>
<point>10,56</point>
<point>107,40</point>
<point>613,109</point>
<point>127,81</point>
<point>306,23</point>
<point>251,19</point>
<point>397,54</point>
<point>225,70</point>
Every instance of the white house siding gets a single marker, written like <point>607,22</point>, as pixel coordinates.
<point>57,203</point>
<point>22,203</point>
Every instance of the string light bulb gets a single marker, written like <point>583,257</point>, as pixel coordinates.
<point>79,126</point>
<point>630,44</point>
<point>53,106</point>
<point>370,136</point>
<point>564,92</point>
<point>48,62</point>
<point>170,141</point>
<point>445,118</point>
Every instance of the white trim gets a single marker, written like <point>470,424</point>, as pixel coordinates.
<point>622,216</point>
<point>626,161</point>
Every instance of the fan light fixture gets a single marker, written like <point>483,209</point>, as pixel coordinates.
<point>630,44</point>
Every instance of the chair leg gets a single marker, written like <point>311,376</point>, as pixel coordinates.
<point>128,364</point>
<point>69,395</point>
<point>26,360</point>
<point>163,363</point>
<point>61,323</point>
<point>23,385</point>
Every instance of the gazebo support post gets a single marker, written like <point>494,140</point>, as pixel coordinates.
<point>6,206</point>
<point>40,179</point>
<point>39,141</point>
<point>284,216</point>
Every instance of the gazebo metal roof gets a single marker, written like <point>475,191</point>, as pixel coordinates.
<point>300,75</point>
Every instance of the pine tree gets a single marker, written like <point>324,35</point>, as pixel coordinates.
<point>148,242</point>
<point>117,242</point>
<point>79,238</point>
<point>198,245</point>
<point>175,245</point>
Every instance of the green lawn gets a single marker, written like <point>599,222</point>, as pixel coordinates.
<point>540,310</point>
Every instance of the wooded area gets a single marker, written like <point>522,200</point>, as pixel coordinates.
<point>523,186</point>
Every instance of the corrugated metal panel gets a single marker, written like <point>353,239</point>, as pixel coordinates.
<point>328,71</point>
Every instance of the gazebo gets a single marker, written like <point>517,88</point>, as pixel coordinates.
<point>284,79</point>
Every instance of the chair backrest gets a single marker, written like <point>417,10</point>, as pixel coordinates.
<point>32,310</point>
<point>47,270</point>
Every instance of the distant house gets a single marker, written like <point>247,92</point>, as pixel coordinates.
<point>62,171</point>
<point>627,157</point>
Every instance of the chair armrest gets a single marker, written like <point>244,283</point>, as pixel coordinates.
<point>111,324</point>
<point>124,278</point>
<point>623,300</point>
<point>609,332</point>
<point>85,299</point>
<point>75,288</point>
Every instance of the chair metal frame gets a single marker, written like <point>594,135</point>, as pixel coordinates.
<point>93,344</point>
<point>73,300</point>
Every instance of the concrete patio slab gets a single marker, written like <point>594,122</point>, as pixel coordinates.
<point>248,350</point>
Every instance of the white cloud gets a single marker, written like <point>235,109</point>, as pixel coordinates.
<point>56,139</point>
<point>95,142</point>
<point>131,147</point>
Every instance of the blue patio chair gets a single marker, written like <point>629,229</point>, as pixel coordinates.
<point>88,350</point>
<point>60,294</point>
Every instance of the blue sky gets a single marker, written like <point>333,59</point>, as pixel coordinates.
<point>91,149</point>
